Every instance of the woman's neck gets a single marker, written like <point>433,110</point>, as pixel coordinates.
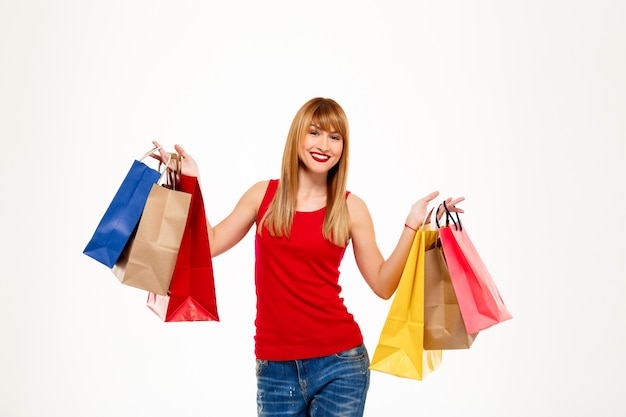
<point>311,192</point>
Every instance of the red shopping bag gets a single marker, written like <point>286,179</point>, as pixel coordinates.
<point>478,297</point>
<point>191,295</point>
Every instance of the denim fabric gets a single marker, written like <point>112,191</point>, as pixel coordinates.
<point>329,386</point>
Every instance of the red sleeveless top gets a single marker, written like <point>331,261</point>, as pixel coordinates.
<point>300,314</point>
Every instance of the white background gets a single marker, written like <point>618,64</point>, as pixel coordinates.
<point>517,105</point>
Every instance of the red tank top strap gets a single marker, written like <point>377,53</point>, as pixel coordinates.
<point>272,186</point>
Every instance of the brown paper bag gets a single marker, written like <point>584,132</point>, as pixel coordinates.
<point>443,324</point>
<point>148,259</point>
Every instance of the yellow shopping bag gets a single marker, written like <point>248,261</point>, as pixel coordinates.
<point>400,350</point>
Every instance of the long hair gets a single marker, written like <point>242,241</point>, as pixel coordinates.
<point>279,217</point>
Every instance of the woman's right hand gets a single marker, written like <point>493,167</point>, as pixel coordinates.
<point>189,166</point>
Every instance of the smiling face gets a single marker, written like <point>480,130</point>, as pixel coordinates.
<point>318,144</point>
<point>320,150</point>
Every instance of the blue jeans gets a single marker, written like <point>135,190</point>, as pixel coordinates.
<point>329,386</point>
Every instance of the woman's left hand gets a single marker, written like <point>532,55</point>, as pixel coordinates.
<point>419,210</point>
<point>451,205</point>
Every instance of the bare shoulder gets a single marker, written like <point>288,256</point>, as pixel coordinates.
<point>254,195</point>
<point>357,208</point>
<point>259,187</point>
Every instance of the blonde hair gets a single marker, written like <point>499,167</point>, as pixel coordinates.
<point>278,219</point>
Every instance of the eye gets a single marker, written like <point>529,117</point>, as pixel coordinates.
<point>335,137</point>
<point>313,132</point>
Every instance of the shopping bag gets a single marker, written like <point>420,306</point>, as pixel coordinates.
<point>479,299</point>
<point>443,323</point>
<point>400,350</point>
<point>191,295</point>
<point>121,217</point>
<point>148,259</point>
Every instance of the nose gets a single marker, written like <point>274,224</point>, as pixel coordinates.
<point>323,141</point>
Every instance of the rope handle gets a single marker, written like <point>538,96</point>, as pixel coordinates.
<point>173,176</point>
<point>457,224</point>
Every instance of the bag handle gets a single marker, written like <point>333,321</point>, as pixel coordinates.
<point>428,216</point>
<point>457,223</point>
<point>150,152</point>
<point>437,218</point>
<point>173,174</point>
<point>169,160</point>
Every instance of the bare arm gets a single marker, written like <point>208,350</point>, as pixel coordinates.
<point>383,275</point>
<point>236,225</point>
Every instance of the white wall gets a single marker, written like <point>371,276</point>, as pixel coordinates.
<point>517,105</point>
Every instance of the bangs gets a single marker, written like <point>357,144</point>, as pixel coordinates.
<point>329,118</point>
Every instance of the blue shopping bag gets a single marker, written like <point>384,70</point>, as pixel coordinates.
<point>122,216</point>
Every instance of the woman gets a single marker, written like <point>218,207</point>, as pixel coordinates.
<point>311,360</point>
